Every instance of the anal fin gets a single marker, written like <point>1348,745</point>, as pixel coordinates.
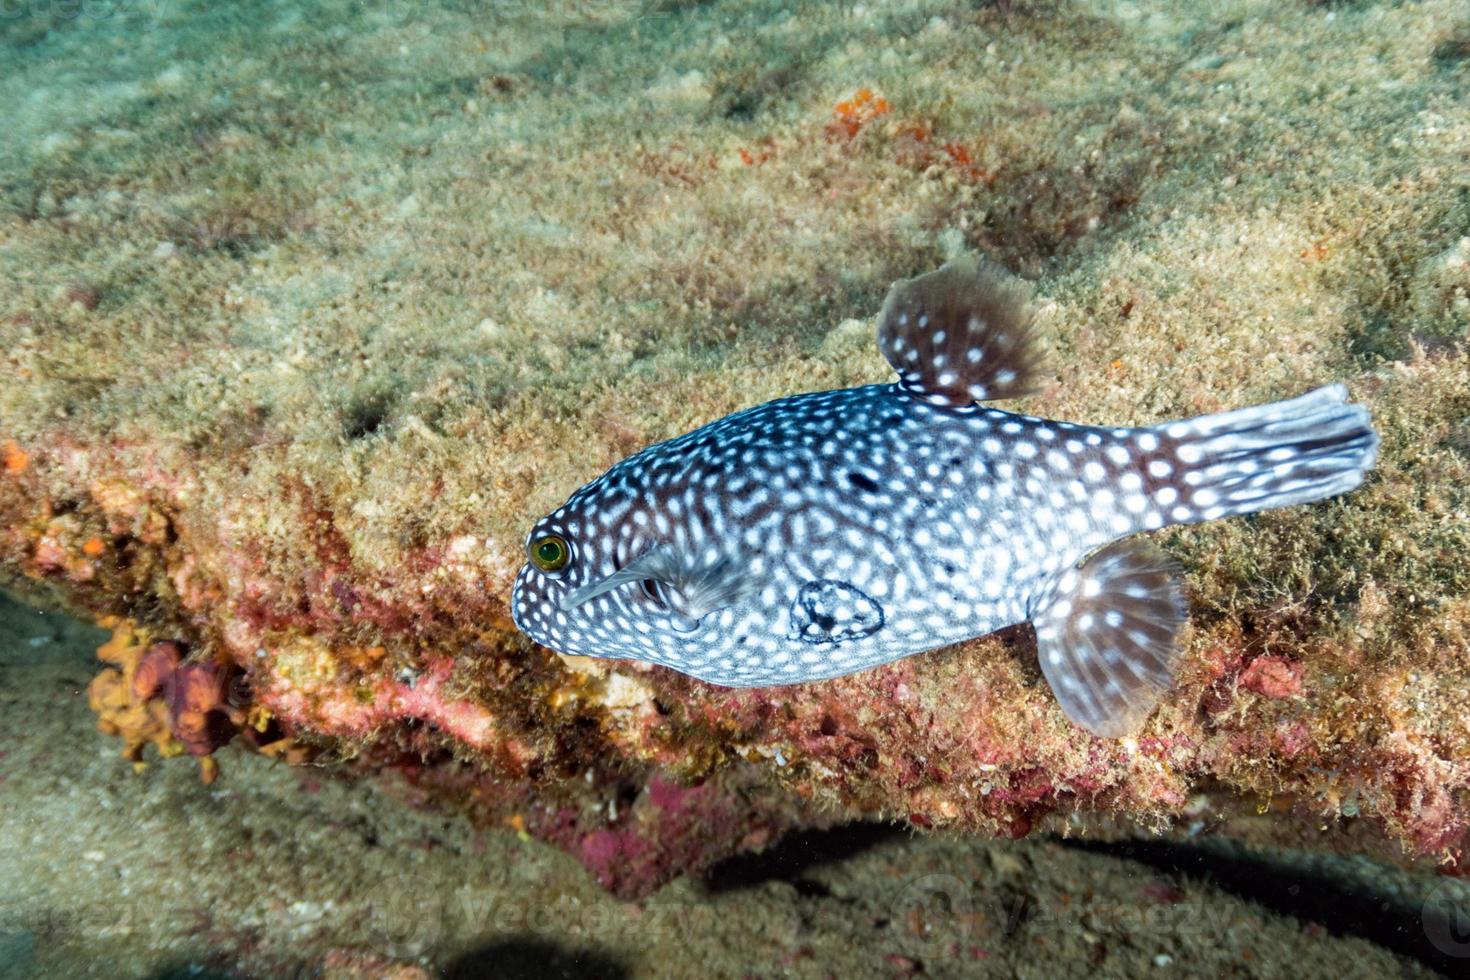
<point>1106,635</point>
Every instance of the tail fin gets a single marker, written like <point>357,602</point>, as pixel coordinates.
<point>1276,455</point>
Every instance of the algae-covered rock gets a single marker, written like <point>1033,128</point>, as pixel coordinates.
<point>305,326</point>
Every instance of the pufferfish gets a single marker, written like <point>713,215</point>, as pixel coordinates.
<point>824,533</point>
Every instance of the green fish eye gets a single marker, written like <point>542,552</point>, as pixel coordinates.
<point>550,553</point>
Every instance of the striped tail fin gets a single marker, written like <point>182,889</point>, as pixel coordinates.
<point>1276,455</point>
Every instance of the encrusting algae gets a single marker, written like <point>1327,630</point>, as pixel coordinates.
<point>290,402</point>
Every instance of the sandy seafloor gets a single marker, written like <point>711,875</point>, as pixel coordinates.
<point>107,872</point>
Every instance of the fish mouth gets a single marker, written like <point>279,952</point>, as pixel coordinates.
<point>519,601</point>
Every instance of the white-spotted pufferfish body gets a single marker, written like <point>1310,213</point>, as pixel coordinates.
<point>823,533</point>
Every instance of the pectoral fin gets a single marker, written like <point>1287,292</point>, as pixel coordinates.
<point>695,585</point>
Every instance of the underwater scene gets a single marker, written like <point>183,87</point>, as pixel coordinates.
<point>728,488</point>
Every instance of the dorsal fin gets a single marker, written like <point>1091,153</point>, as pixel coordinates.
<point>960,334</point>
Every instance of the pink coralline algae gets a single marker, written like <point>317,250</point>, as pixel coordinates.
<point>1273,677</point>
<point>669,825</point>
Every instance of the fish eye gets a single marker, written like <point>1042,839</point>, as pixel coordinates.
<point>551,553</point>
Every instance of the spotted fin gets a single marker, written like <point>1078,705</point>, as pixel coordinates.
<point>961,334</point>
<point>1106,633</point>
<point>1276,455</point>
<point>693,586</point>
